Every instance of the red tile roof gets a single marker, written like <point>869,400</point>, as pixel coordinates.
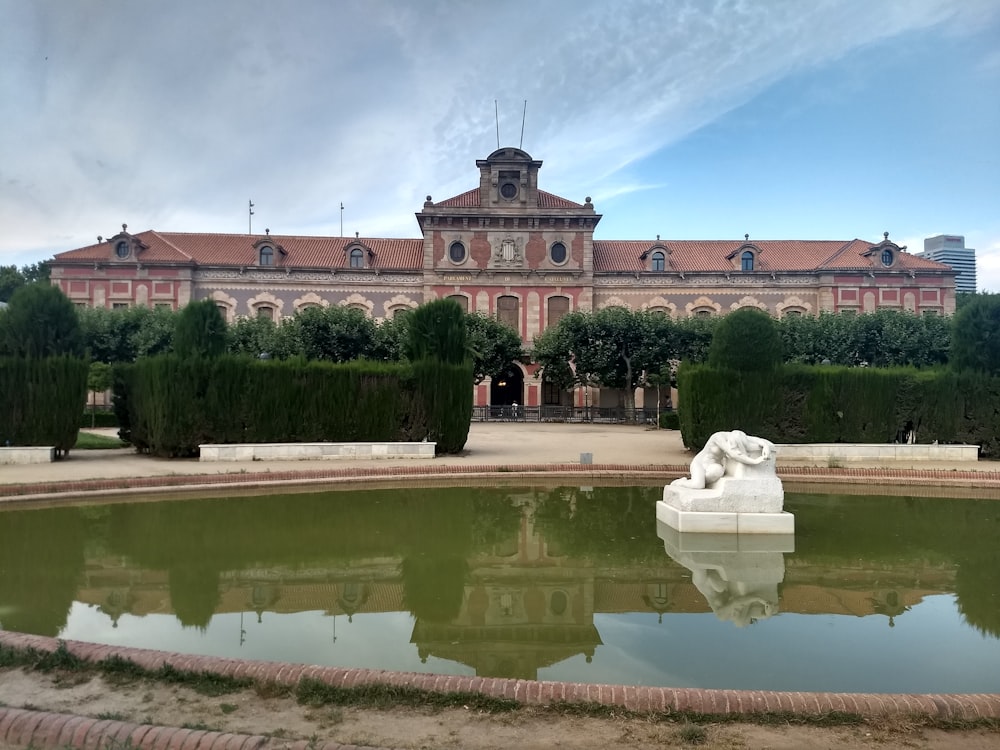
<point>548,200</point>
<point>773,255</point>
<point>609,255</point>
<point>239,250</point>
<point>470,199</point>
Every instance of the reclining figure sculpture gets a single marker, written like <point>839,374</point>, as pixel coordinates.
<point>720,456</point>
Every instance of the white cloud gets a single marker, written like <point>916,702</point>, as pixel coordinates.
<point>172,116</point>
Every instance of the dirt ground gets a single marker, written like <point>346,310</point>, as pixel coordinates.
<point>284,720</point>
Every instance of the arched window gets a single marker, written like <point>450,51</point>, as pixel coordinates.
<point>266,255</point>
<point>746,260</point>
<point>357,258</point>
<point>264,311</point>
<point>659,261</point>
<point>508,311</point>
<point>558,307</point>
<point>887,257</point>
<point>462,301</point>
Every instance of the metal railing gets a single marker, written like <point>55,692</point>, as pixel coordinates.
<point>618,414</point>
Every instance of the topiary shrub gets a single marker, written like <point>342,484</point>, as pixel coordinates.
<point>746,340</point>
<point>975,339</point>
<point>200,331</point>
<point>40,321</point>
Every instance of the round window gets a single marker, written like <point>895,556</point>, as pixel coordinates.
<point>558,252</point>
<point>456,252</point>
<point>121,249</point>
<point>508,190</point>
<point>887,257</point>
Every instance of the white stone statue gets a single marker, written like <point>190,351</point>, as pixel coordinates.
<point>721,454</point>
<point>733,488</point>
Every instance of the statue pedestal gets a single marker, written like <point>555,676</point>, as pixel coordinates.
<point>748,500</point>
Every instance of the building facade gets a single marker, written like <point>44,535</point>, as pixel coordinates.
<point>508,249</point>
<point>950,249</point>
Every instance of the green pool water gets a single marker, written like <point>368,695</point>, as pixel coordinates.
<point>873,594</point>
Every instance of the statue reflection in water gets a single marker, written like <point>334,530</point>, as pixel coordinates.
<point>737,574</point>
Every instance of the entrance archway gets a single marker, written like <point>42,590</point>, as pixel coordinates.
<point>508,388</point>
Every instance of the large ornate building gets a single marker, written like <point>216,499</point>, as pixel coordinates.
<point>508,249</point>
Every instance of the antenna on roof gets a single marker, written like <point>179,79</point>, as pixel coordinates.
<point>496,111</point>
<point>250,219</point>
<point>342,218</point>
<point>523,115</point>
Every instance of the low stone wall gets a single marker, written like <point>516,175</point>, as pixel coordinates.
<point>28,454</point>
<point>887,452</point>
<point>314,451</point>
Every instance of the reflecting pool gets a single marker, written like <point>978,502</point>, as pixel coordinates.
<point>874,594</point>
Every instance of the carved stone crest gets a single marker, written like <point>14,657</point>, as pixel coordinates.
<point>507,253</point>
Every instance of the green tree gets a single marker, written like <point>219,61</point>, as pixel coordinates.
<point>40,322</point>
<point>611,348</point>
<point>33,272</point>
<point>338,334</point>
<point>253,336</point>
<point>99,379</point>
<point>113,336</point>
<point>693,337</point>
<point>391,336</point>
<point>10,281</point>
<point>150,330</point>
<point>975,338</point>
<point>200,330</point>
<point>494,346</point>
<point>746,340</point>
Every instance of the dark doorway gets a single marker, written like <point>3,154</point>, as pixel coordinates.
<point>508,389</point>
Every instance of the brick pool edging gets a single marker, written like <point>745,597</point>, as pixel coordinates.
<point>809,474</point>
<point>732,703</point>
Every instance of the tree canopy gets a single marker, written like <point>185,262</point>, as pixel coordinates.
<point>494,346</point>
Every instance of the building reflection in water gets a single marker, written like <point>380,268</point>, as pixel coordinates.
<point>523,591</point>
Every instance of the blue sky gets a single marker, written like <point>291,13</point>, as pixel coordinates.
<point>699,119</point>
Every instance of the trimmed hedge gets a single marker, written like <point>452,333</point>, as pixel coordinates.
<point>445,396</point>
<point>802,404</point>
<point>101,417</point>
<point>168,406</point>
<point>41,400</point>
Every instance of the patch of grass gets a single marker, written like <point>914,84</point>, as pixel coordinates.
<point>228,708</point>
<point>313,692</point>
<point>272,689</point>
<point>112,716</point>
<point>119,670</point>
<point>204,683</point>
<point>60,659</point>
<point>199,725</point>
<point>86,441</point>
<point>834,463</point>
<point>692,734</point>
